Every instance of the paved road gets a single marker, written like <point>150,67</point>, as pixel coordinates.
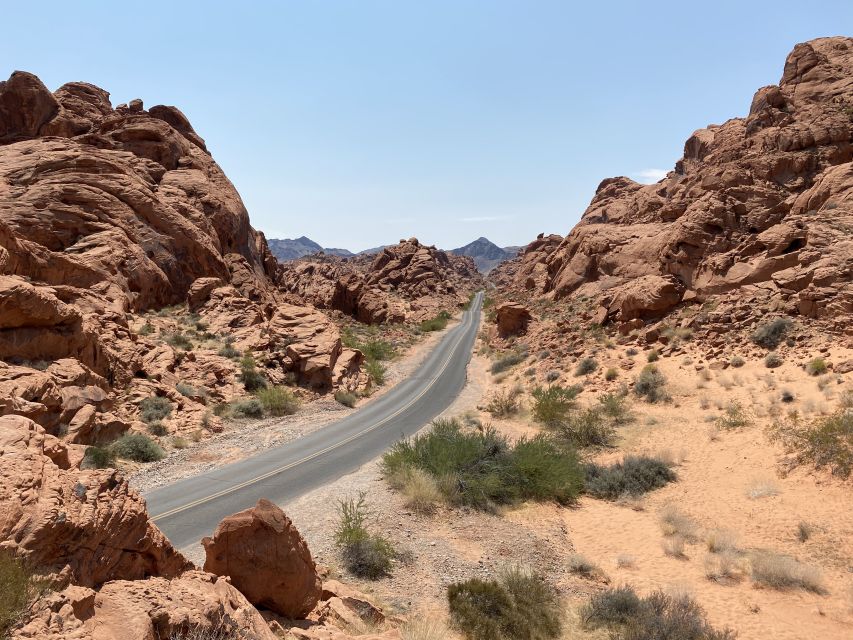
<point>191,508</point>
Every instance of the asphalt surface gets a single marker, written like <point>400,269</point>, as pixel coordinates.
<point>191,508</point>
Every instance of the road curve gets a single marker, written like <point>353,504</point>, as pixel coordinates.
<point>191,508</point>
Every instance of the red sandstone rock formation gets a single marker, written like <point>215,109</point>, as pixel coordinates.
<point>406,281</point>
<point>764,201</point>
<point>512,318</point>
<point>266,559</point>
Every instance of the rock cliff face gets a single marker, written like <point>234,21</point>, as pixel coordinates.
<point>763,202</point>
<point>109,213</point>
<point>406,281</point>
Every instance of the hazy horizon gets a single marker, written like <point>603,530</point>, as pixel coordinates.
<point>357,124</point>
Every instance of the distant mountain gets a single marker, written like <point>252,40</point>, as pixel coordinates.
<point>291,249</point>
<point>486,254</point>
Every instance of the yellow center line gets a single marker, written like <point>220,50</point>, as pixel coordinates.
<point>317,454</point>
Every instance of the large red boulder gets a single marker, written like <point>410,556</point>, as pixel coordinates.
<point>512,318</point>
<point>267,560</point>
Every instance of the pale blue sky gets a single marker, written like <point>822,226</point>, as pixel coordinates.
<point>361,122</point>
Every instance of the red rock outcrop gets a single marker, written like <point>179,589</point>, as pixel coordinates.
<point>406,281</point>
<point>266,559</point>
<point>146,609</point>
<point>512,318</point>
<point>88,525</point>
<point>763,200</point>
<point>109,213</point>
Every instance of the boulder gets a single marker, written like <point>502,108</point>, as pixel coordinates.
<point>266,559</point>
<point>512,318</point>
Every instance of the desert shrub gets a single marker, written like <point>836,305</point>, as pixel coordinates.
<point>228,350</point>
<point>423,628</point>
<point>179,442</point>
<point>658,616</point>
<point>223,629</point>
<point>826,441</point>
<point>783,572</point>
<point>634,476</point>
<point>611,374</point>
<point>552,404</point>
<point>580,566</point>
<point>773,360</point>
<point>615,407</point>
<point>518,606</point>
<point>375,371</point>
<point>420,489</point>
<point>674,522</point>
<point>653,356</point>
<point>278,401</point>
<point>611,607</point>
<point>720,540</point>
<point>586,366</point>
<point>346,398</point>
<point>673,547</point>
<point>377,349</point>
<point>650,384</point>
<point>157,428</point>
<point>98,458</point>
<point>758,489</point>
<point>816,367</point>
<point>787,396</point>
<point>435,324</point>
<point>18,587</point>
<point>552,376</point>
<point>248,408</point>
<point>503,403</point>
<point>251,378</point>
<point>137,447</point>
<point>734,417</point>
<point>737,362</point>
<point>154,409</point>
<point>804,531</point>
<point>185,389</point>
<point>146,329</point>
<point>179,341</point>
<point>481,469</point>
<point>585,428</point>
<point>770,334</point>
<point>509,360</point>
<point>365,555</point>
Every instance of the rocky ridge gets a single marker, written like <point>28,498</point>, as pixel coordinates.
<point>406,281</point>
<point>758,208</point>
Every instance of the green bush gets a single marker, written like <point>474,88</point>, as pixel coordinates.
<point>611,374</point>
<point>552,404</point>
<point>770,334</point>
<point>435,324</point>
<point>98,458</point>
<point>612,607</point>
<point>585,428</point>
<point>154,409</point>
<point>517,606</point>
<point>228,350</point>
<point>734,417</point>
<point>185,389</point>
<point>503,403</point>
<point>773,360</point>
<point>376,349</point>
<point>278,401</point>
<point>346,398</point>
<point>251,378</point>
<point>825,441</point>
<point>248,408</point>
<point>653,356</point>
<point>658,616</point>
<point>507,361</point>
<point>816,367</point>
<point>364,554</point>
<point>615,407</point>
<point>481,469</point>
<point>18,588</point>
<point>586,366</point>
<point>375,371</point>
<point>737,362</point>
<point>179,341</point>
<point>146,329</point>
<point>634,476</point>
<point>157,428</point>
<point>650,384</point>
<point>137,447</point>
